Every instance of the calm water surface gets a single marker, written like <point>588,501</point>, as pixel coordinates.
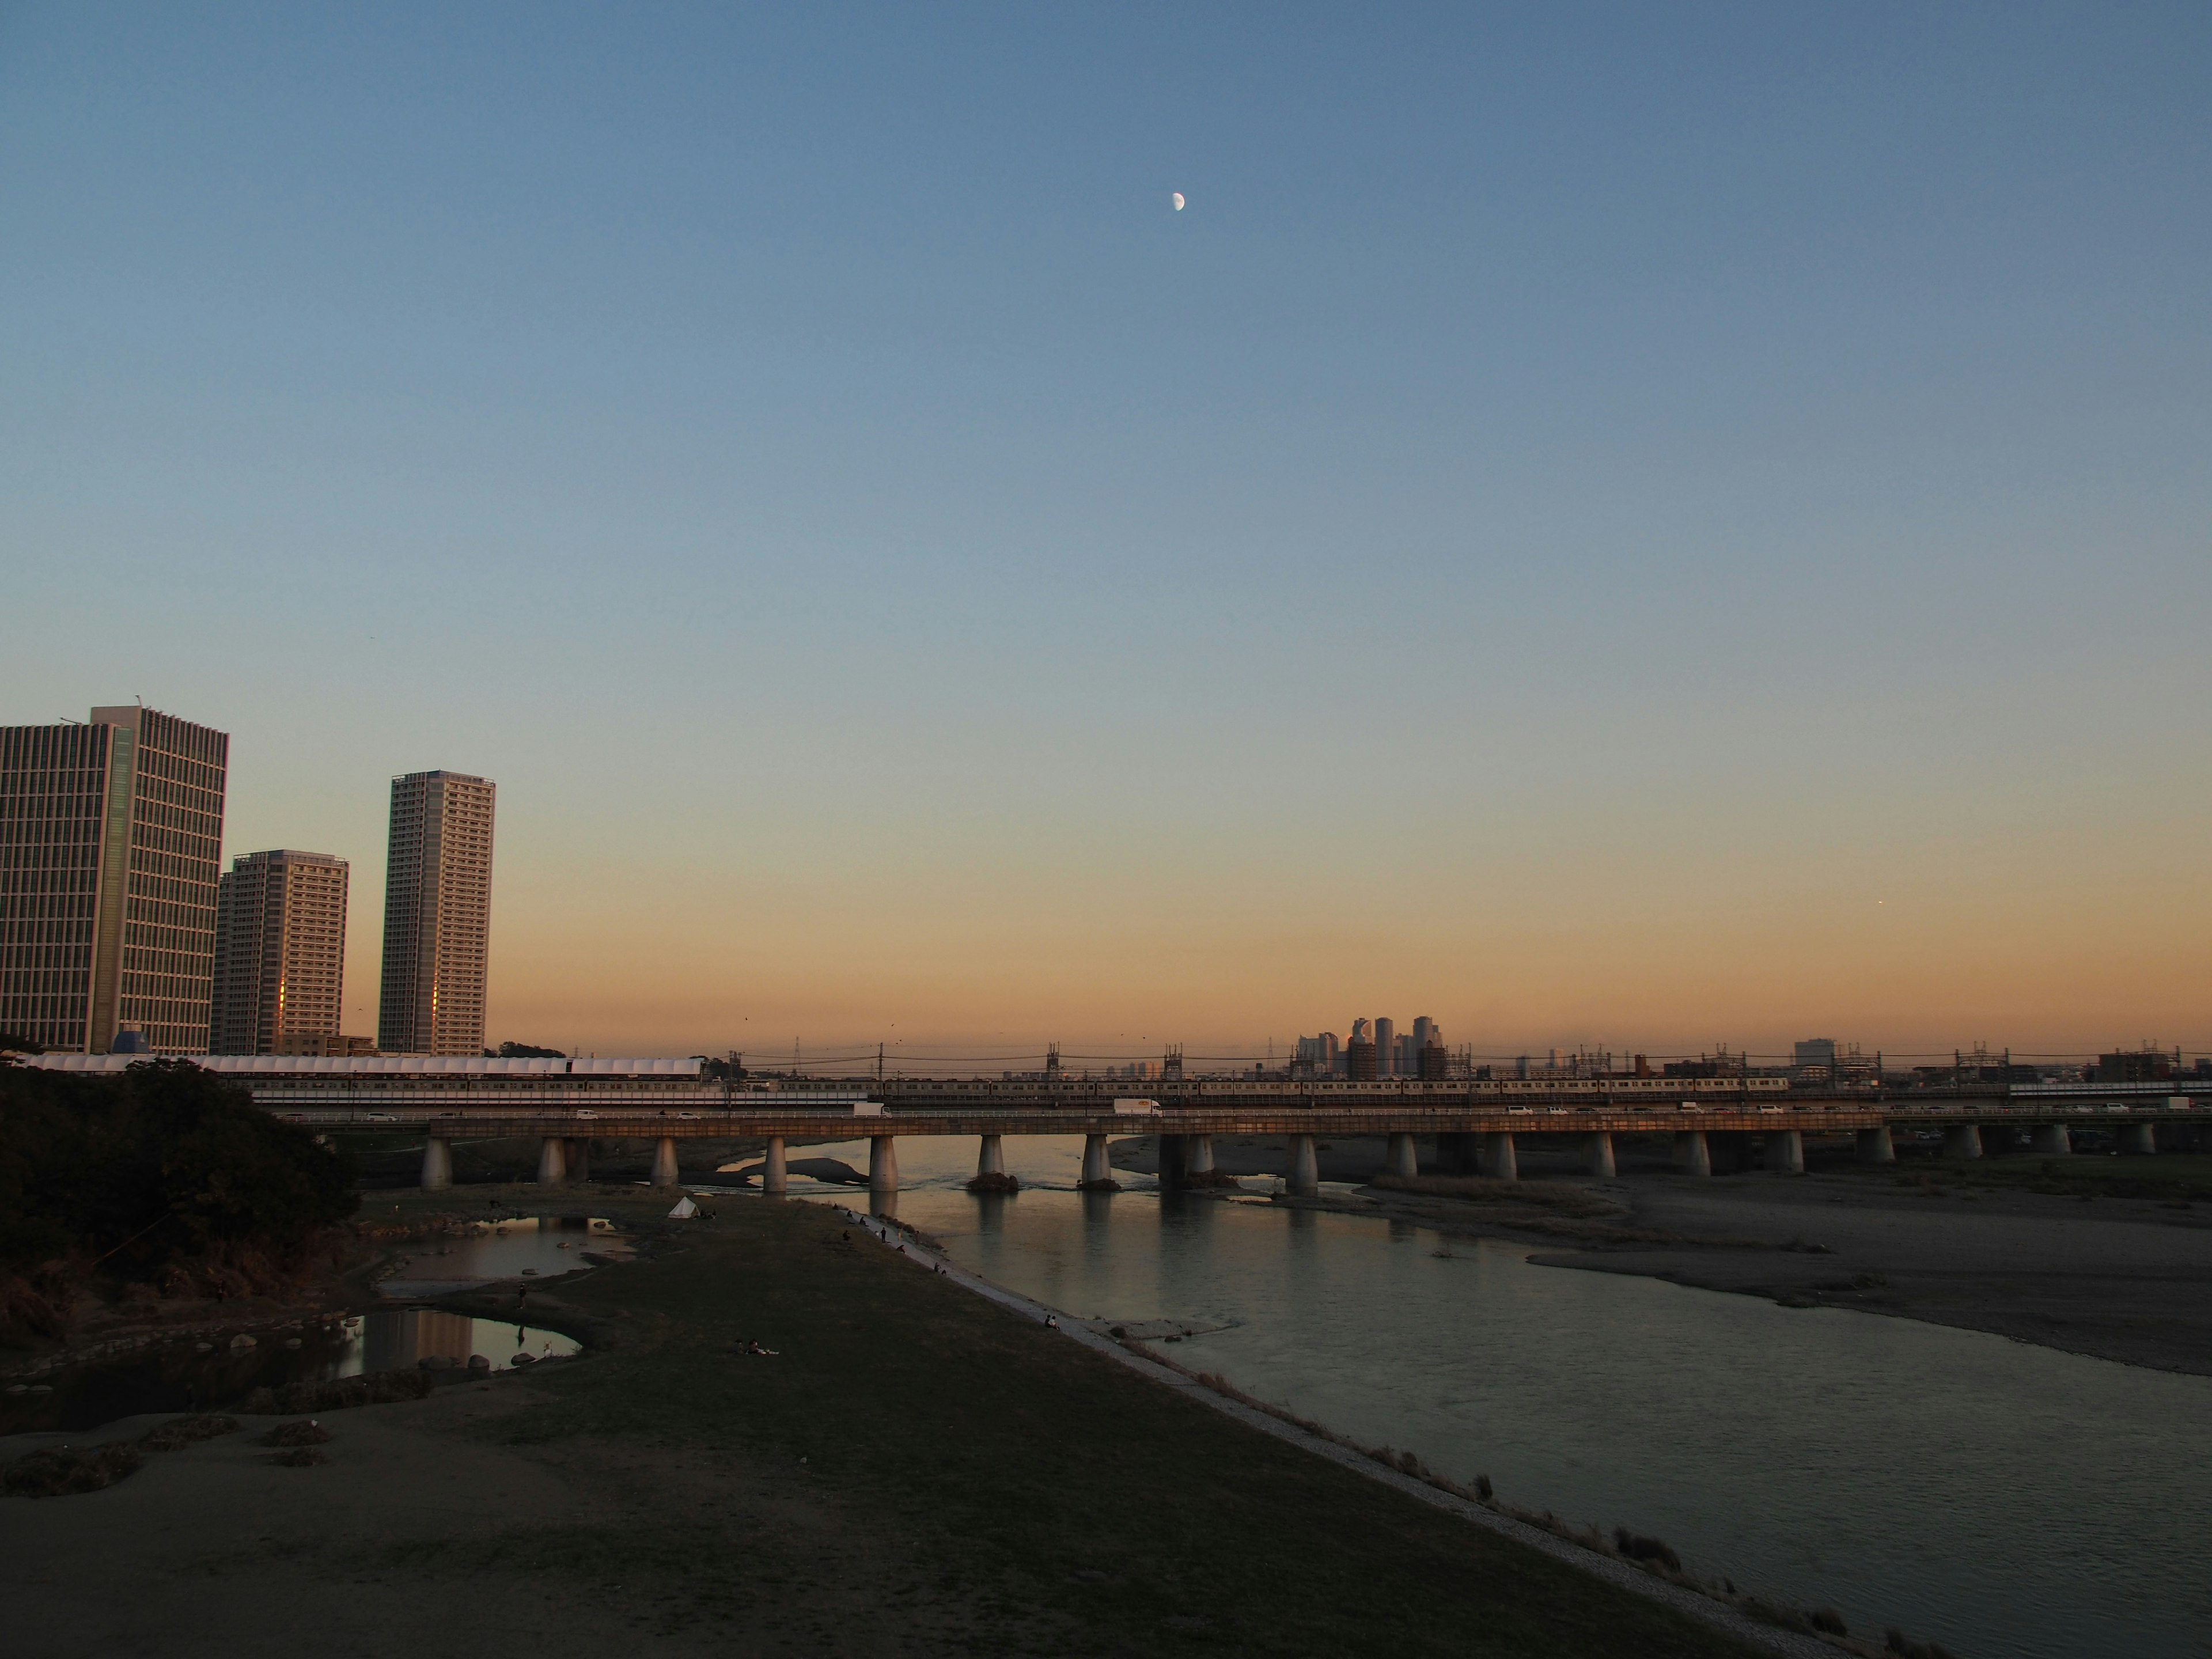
<point>177,1377</point>
<point>532,1246</point>
<point>2000,1498</point>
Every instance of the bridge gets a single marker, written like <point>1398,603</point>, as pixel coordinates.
<point>1476,1124</point>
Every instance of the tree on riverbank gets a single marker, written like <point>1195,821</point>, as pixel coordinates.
<point>165,1177</point>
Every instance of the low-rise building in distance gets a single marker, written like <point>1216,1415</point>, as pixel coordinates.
<point>2149,1064</point>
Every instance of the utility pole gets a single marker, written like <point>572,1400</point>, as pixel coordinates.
<point>879,1062</point>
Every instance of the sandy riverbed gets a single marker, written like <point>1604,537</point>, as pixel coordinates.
<point>914,1470</point>
<point>2121,1278</point>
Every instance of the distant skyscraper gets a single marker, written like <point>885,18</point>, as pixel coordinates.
<point>437,914</point>
<point>1359,1054</point>
<point>110,835</point>
<point>279,953</point>
<point>1317,1056</point>
<point>1385,1048</point>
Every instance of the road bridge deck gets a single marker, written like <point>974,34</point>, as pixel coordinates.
<point>796,1121</point>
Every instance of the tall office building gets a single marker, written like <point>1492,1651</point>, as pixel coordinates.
<point>279,953</point>
<point>437,915</point>
<point>1385,1048</point>
<point>1359,1054</point>
<point>111,836</point>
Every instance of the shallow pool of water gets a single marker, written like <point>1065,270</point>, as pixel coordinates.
<point>1999,1498</point>
<point>185,1376</point>
<point>521,1247</point>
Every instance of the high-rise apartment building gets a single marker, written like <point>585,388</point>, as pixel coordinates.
<point>1385,1048</point>
<point>1317,1056</point>
<point>111,837</point>
<point>437,914</point>
<point>279,953</point>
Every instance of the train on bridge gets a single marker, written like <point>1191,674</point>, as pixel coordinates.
<point>566,1103</point>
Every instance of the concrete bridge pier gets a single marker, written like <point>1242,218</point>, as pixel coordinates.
<point>1600,1157</point>
<point>1173,1160</point>
<point>552,1162</point>
<point>1875,1146</point>
<point>437,1164</point>
<point>990,1157</point>
<point>1499,1161</point>
<point>1962,1140</point>
<point>579,1154</point>
<point>664,1161</point>
<point>883,1163</point>
<point>1305,1168</point>
<point>2139,1140</point>
<point>2053,1140</point>
<point>1692,1155</point>
<point>1402,1161</point>
<point>1097,1173</point>
<point>1785,1151</point>
<point>775,1178</point>
<point>1199,1155</point>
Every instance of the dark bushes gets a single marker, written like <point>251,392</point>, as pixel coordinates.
<point>1638,1547</point>
<point>299,1431</point>
<point>64,1470</point>
<point>179,1432</point>
<point>166,1175</point>
<point>377,1388</point>
<point>1898,1641</point>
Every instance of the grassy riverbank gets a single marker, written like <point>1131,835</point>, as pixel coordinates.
<point>916,1470</point>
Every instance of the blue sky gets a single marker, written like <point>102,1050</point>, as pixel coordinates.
<point>1643,524</point>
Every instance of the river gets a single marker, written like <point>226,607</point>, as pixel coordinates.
<point>2002,1500</point>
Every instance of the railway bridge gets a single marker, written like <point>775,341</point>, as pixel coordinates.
<point>1477,1126</point>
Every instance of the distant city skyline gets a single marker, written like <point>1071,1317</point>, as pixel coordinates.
<point>1613,528</point>
<point>414,795</point>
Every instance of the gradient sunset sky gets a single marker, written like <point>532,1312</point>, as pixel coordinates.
<point>1648,525</point>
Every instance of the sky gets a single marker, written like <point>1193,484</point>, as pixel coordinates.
<point>1649,527</point>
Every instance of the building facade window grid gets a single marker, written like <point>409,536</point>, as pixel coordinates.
<point>110,834</point>
<point>437,914</point>
<point>280,952</point>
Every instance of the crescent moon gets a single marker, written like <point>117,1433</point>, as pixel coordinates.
<point>1176,196</point>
